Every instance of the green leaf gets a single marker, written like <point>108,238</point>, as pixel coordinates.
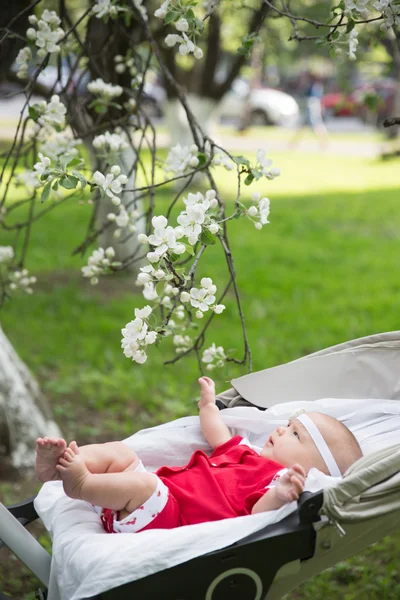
<point>190,249</point>
<point>249,179</point>
<point>69,182</point>
<point>207,238</point>
<point>45,192</point>
<point>241,160</point>
<point>81,179</point>
<point>171,16</point>
<point>33,113</point>
<point>73,162</point>
<point>55,186</point>
<point>202,158</point>
<point>257,174</point>
<point>350,26</point>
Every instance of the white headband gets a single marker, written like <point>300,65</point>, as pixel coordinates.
<point>322,446</point>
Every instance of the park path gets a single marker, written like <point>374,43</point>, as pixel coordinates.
<point>246,142</point>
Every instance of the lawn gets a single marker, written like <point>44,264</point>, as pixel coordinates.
<point>324,271</point>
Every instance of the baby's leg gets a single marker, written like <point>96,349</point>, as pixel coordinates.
<point>126,490</point>
<point>111,457</point>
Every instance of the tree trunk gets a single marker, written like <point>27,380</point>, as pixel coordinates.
<point>176,121</point>
<point>24,414</point>
<point>127,245</point>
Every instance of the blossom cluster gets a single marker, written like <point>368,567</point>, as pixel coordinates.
<point>104,92</point>
<point>259,211</point>
<point>214,357</point>
<point>60,144</point>
<point>180,158</point>
<point>194,218</point>
<point>110,144</point>
<point>51,114</point>
<point>223,160</point>
<point>22,280</point>
<point>99,262</point>
<point>137,336</point>
<point>187,27</point>
<point>6,253</point>
<point>264,165</point>
<point>46,33</point>
<point>182,343</point>
<point>203,298</point>
<point>164,239</point>
<point>124,219</point>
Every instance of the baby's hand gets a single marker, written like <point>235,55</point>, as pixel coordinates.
<point>291,485</point>
<point>207,391</point>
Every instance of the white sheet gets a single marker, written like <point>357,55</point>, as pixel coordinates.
<point>86,561</point>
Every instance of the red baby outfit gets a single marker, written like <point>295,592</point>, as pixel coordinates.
<point>226,484</point>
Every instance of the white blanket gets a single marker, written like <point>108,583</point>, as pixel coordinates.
<point>86,561</point>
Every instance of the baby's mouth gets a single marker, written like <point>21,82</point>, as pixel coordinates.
<point>270,440</point>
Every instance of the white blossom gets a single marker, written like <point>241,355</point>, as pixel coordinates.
<point>259,212</point>
<point>182,343</point>
<point>98,263</point>
<point>104,90</point>
<point>6,253</point>
<point>214,356</point>
<point>353,43</point>
<point>110,143</point>
<point>137,336</point>
<point>52,113</point>
<point>60,143</point>
<point>46,33</point>
<point>24,56</point>
<point>180,158</point>
<point>111,184</point>
<point>182,24</point>
<point>223,160</point>
<point>41,166</point>
<point>164,239</point>
<point>264,164</point>
<point>30,179</point>
<point>22,280</point>
<point>161,12</point>
<point>103,8</point>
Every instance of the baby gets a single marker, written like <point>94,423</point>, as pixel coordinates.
<point>237,479</point>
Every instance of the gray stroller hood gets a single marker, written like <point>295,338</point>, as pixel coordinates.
<point>363,506</point>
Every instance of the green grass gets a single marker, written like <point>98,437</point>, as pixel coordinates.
<point>324,271</point>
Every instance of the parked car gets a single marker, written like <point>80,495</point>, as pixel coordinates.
<point>371,102</point>
<point>263,105</point>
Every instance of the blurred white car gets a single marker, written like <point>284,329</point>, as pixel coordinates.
<point>262,106</point>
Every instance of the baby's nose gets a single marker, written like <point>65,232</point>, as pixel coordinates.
<point>280,430</point>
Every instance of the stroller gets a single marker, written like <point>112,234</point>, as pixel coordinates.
<point>326,526</point>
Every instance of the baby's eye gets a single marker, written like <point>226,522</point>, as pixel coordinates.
<point>296,434</point>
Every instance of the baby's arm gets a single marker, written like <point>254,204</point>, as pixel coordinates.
<point>288,488</point>
<point>214,429</point>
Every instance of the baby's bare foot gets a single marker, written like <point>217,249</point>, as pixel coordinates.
<point>73,471</point>
<point>48,451</point>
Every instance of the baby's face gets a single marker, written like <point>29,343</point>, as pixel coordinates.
<point>293,444</point>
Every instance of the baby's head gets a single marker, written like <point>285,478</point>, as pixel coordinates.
<point>301,442</point>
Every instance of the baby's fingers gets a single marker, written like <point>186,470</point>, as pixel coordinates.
<point>297,485</point>
<point>299,470</point>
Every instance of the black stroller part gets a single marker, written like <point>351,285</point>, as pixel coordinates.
<point>242,571</point>
<point>25,511</point>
